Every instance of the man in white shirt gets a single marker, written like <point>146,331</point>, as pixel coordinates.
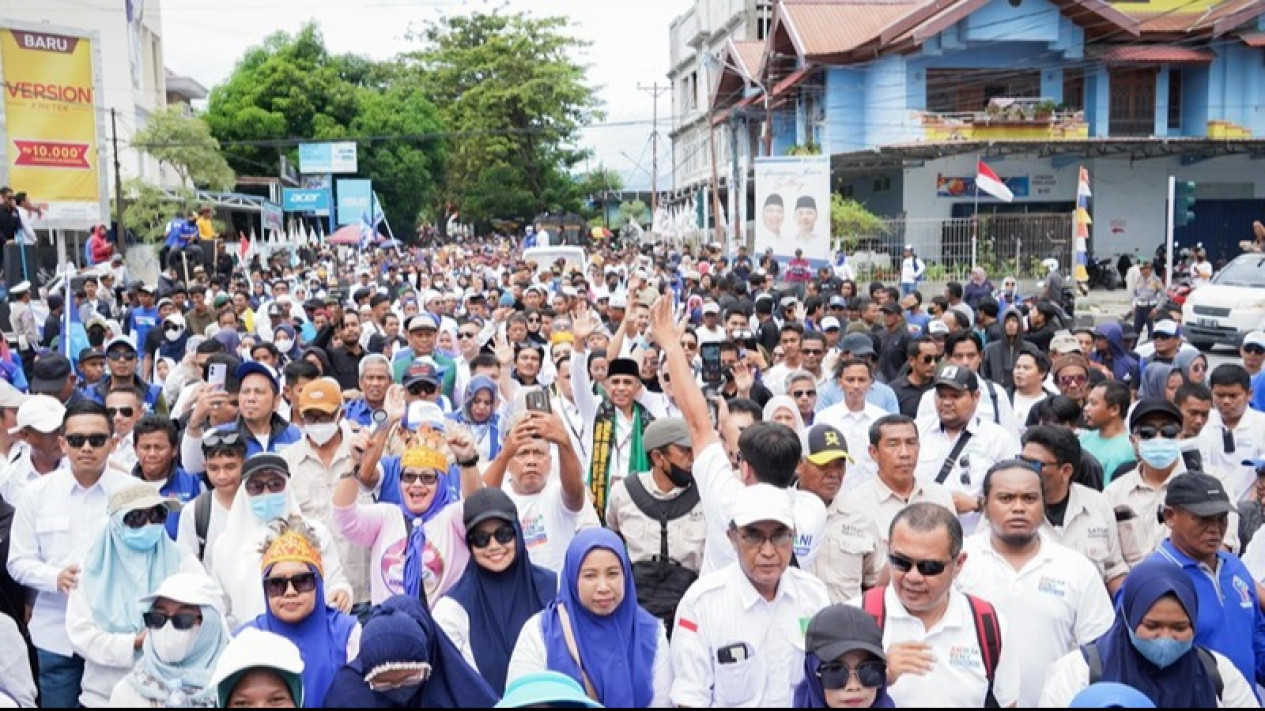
<point>739,634</point>
<point>958,446</point>
<point>38,424</point>
<point>710,331</point>
<point>1235,433</point>
<point>911,270</point>
<point>934,653</point>
<point>853,418</point>
<point>1052,596</point>
<point>965,348</point>
<point>58,519</point>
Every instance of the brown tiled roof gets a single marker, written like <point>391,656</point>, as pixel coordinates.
<point>748,53</point>
<point>1232,14</point>
<point>824,27</point>
<point>1157,53</point>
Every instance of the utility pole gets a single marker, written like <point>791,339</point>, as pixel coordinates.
<point>118,179</point>
<point>655,92</point>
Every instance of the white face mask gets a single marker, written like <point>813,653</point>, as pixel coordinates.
<point>321,433</point>
<point>245,354</point>
<point>174,336</point>
<point>171,645</point>
<point>284,345</point>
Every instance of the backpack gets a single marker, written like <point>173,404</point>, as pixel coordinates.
<point>1094,659</point>
<point>661,581</point>
<point>987,631</point>
<point>202,519</point>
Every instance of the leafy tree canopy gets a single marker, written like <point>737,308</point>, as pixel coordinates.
<point>184,143</point>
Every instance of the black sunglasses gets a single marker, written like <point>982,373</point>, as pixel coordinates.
<point>121,355</point>
<point>1167,432</point>
<point>302,583</point>
<point>418,389</point>
<point>1254,349</point>
<point>172,327</point>
<point>142,517</point>
<point>427,478</point>
<point>274,485</point>
<point>156,620</point>
<point>928,568</point>
<point>871,674</point>
<point>124,411</point>
<point>97,441</point>
<point>481,539</point>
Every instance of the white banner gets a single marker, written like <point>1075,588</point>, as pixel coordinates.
<point>793,206</point>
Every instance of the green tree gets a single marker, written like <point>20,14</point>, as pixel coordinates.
<point>514,100</point>
<point>632,211</point>
<point>185,144</point>
<point>851,220</point>
<point>147,209</point>
<point>404,173</point>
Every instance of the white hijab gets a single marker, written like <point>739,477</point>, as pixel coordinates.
<point>236,558</point>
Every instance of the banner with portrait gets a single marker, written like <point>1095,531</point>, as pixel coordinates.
<point>792,210</point>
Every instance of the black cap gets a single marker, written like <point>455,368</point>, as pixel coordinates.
<point>49,373</point>
<point>486,503</point>
<point>891,307</point>
<point>1198,493</point>
<point>825,444</point>
<point>88,354</point>
<point>839,629</point>
<point>957,377</point>
<point>1150,406</point>
<point>858,344</point>
<point>264,462</point>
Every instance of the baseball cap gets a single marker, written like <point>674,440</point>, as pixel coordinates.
<point>787,301</point>
<point>266,461</point>
<point>20,288</point>
<point>96,320</point>
<point>165,301</point>
<point>1167,327</point>
<point>421,322</point>
<point>421,370</point>
<point>188,588</point>
<point>665,431</point>
<point>488,503</point>
<point>1151,406</point>
<point>1255,338</point>
<point>957,377</point>
<point>937,327</point>
<point>838,301</point>
<point>120,340</point>
<point>41,413</point>
<point>250,367</point>
<point>1199,493</point>
<point>829,323</point>
<point>839,629</point>
<point>858,344</point>
<point>711,307</point>
<point>88,354</point>
<point>49,373</point>
<point>762,502</point>
<point>891,307</point>
<point>824,444</point>
<point>254,648</point>
<point>1110,695</point>
<point>423,412</point>
<point>1064,342</point>
<point>10,396</point>
<point>322,394</point>
<point>139,496</point>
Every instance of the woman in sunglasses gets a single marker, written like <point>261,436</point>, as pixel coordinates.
<point>845,666</point>
<point>415,545</point>
<point>186,635</point>
<point>487,608</point>
<point>294,584</point>
<point>407,661</point>
<point>131,558</point>
<point>1193,366</point>
<point>595,632</point>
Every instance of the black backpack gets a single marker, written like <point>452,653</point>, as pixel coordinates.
<point>661,581</point>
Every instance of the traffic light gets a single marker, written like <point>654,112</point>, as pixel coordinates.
<point>1184,203</point>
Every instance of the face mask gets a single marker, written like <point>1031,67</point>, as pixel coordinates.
<point>1159,452</point>
<point>1161,652</point>
<point>171,645</point>
<point>680,477</point>
<point>174,336</point>
<point>322,433</point>
<point>143,538</point>
<point>284,346</point>
<point>267,507</point>
<point>244,354</point>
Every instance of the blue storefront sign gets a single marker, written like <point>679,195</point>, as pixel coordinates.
<point>355,200</point>
<point>304,199</point>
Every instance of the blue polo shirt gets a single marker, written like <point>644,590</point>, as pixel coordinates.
<point>283,434</point>
<point>183,487</point>
<point>1230,619</point>
<point>360,412</point>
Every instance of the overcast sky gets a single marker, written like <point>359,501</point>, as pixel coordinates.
<point>205,38</point>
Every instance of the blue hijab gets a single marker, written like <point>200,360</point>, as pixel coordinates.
<point>1155,380</point>
<point>401,630</point>
<point>116,576</point>
<point>321,638</point>
<point>1184,684</point>
<point>809,694</point>
<point>499,604</point>
<point>415,525</point>
<point>617,650</point>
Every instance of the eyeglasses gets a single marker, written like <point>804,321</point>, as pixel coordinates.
<point>835,676</point>
<point>927,568</point>
<point>143,517</point>
<point>465,334</point>
<point>419,389</point>
<point>928,359</point>
<point>302,583</point>
<point>481,539</point>
<point>1073,379</point>
<point>811,352</point>
<point>156,620</point>
<point>124,411</point>
<point>1254,349</point>
<point>273,485</point>
<point>121,355</point>
<point>1167,432</point>
<point>797,394</point>
<point>97,441</point>
<point>755,539</point>
<point>411,478</point>
<point>689,345</point>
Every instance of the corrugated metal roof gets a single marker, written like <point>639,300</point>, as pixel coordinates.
<point>1158,53</point>
<point>823,28</point>
<point>1253,39</point>
<point>748,54</point>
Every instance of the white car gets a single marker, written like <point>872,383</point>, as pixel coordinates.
<point>1228,308</point>
<point>545,257</point>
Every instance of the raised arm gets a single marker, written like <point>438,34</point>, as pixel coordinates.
<point>461,444</point>
<point>689,397</point>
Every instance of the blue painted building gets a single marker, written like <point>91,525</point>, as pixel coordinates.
<point>905,96</point>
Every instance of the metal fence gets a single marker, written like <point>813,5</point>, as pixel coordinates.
<point>1004,245</point>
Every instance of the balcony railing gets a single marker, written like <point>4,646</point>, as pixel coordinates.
<point>1007,119</point>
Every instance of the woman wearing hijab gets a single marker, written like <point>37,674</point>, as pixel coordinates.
<point>415,545</point>
<point>318,357</point>
<point>783,410</point>
<point>186,635</point>
<point>1151,648</point>
<point>1193,366</point>
<point>285,338</point>
<point>130,559</point>
<point>479,413</point>
<point>259,669</point>
<point>407,661</point>
<point>845,666</point>
<point>293,581</point>
<point>620,651</point>
<point>1155,380</point>
<point>262,497</point>
<point>487,608</point>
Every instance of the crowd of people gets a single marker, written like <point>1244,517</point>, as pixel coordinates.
<point>445,476</point>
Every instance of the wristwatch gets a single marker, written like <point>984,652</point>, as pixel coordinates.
<point>469,462</point>
<point>354,472</point>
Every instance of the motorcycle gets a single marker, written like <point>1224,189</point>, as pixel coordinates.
<point>1102,273</point>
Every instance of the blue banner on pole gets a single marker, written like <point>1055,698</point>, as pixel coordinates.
<point>355,200</point>
<point>304,199</point>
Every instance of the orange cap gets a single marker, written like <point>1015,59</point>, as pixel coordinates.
<point>322,394</point>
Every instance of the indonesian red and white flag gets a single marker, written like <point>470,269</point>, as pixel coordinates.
<point>987,180</point>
